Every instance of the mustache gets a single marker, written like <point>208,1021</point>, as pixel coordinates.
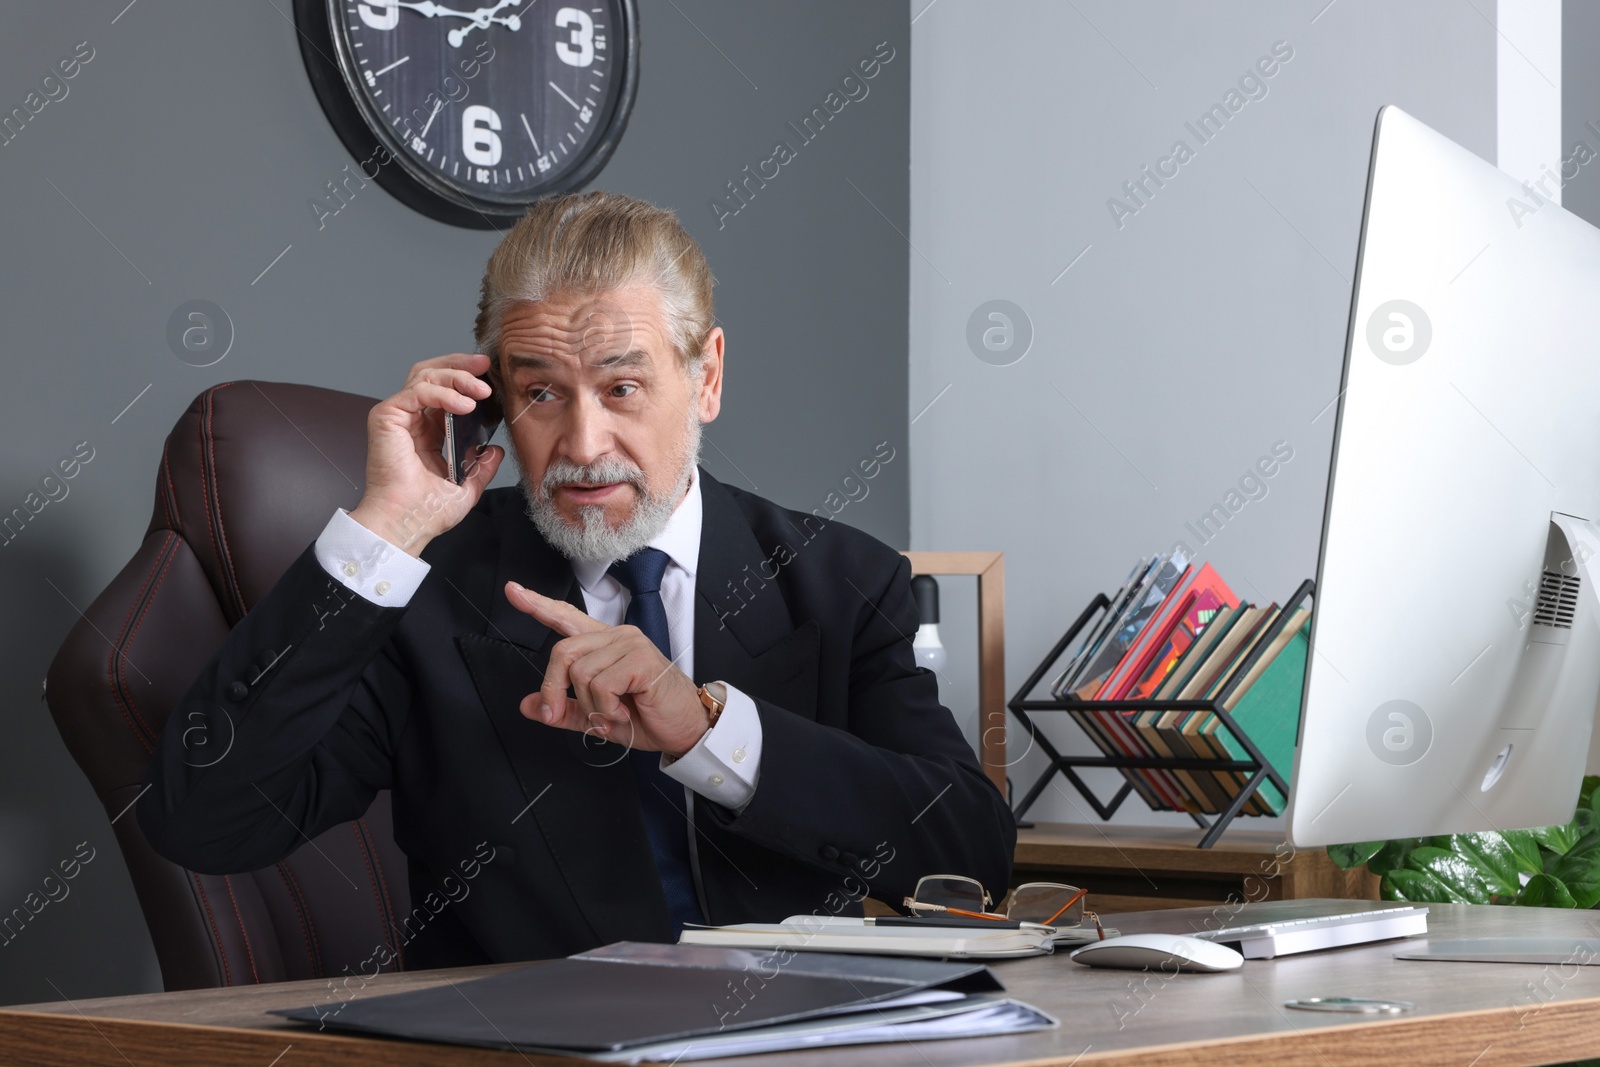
<point>602,471</point>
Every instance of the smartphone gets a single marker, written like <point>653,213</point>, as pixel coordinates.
<point>466,435</point>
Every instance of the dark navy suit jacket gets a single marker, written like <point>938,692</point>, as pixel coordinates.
<point>866,782</point>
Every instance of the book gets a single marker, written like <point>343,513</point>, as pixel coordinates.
<point>1204,687</point>
<point>1226,655</point>
<point>1111,620</point>
<point>1132,717</point>
<point>853,934</point>
<point>1107,734</point>
<point>1176,632</point>
<point>1275,643</point>
<point>1206,595</point>
<point>1275,634</point>
<point>1144,646</point>
<point>1166,725</point>
<point>1160,645</point>
<point>1158,583</point>
<point>1091,639</point>
<point>1111,734</point>
<point>1115,737</point>
<point>1119,724</point>
<point>1270,621</point>
<point>1185,668</point>
<point>1201,800</point>
<point>1089,722</point>
<point>1125,741</point>
<point>1266,706</point>
<point>1105,625</point>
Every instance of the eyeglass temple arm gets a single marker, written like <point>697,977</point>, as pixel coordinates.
<point>1079,895</point>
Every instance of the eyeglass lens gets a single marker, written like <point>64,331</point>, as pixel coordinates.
<point>951,892</point>
<point>1041,902</point>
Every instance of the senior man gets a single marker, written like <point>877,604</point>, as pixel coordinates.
<point>557,675</point>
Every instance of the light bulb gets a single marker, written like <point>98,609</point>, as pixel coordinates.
<point>926,645</point>
<point>929,650</point>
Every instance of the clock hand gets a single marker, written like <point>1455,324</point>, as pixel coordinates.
<point>436,109</point>
<point>481,19</point>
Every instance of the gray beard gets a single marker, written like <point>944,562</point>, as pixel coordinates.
<point>592,538</point>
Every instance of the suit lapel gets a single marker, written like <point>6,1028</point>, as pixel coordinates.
<point>743,632</point>
<point>585,791</point>
<point>744,636</point>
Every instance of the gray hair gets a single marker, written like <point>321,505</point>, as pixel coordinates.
<point>597,242</point>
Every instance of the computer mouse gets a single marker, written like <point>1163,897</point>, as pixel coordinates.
<point>1159,952</point>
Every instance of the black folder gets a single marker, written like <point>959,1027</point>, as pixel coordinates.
<point>633,993</point>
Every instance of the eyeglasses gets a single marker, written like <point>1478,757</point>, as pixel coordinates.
<point>1045,903</point>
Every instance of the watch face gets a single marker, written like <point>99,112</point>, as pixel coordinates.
<point>486,108</point>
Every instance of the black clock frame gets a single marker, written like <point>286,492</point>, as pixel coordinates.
<point>317,48</point>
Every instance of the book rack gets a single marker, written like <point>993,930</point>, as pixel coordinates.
<point>1256,765</point>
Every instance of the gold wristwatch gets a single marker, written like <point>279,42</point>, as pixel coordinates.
<point>714,695</point>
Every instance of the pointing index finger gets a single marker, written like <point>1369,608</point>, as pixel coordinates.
<point>566,619</point>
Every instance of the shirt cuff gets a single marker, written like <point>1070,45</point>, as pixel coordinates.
<point>367,563</point>
<point>725,764</point>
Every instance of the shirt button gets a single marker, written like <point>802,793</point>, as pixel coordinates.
<point>716,779</point>
<point>738,755</point>
<point>350,569</point>
<point>381,588</point>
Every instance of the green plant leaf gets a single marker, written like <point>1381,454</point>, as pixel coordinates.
<point>1392,855</point>
<point>1557,839</point>
<point>1492,857</point>
<point>1459,875</point>
<point>1348,856</point>
<point>1583,820</point>
<point>1543,891</point>
<point>1580,866</point>
<point>1589,842</point>
<point>1586,791</point>
<point>1405,884</point>
<point>1526,849</point>
<point>1584,894</point>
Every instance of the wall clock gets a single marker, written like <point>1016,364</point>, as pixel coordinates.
<point>469,114</point>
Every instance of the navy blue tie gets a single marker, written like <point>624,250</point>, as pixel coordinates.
<point>660,797</point>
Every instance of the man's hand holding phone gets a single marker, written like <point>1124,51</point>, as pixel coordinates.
<point>410,497</point>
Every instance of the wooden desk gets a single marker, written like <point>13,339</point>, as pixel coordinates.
<point>1134,868</point>
<point>1484,1015</point>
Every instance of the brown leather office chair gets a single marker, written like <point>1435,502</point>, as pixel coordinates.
<point>248,478</point>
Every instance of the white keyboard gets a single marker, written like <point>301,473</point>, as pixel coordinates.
<point>1264,940</point>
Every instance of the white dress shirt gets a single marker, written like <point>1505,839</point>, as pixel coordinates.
<point>725,765</point>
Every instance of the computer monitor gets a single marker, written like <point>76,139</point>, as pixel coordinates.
<point>1455,668</point>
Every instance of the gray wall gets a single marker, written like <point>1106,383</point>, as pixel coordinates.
<point>1183,343</point>
<point>1580,107</point>
<point>180,164</point>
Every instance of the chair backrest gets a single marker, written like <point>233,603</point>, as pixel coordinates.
<point>248,477</point>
